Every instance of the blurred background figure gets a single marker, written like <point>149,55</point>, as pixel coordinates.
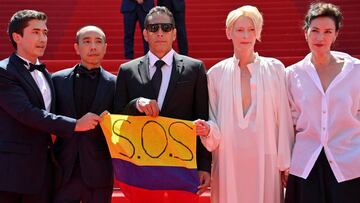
<point>177,8</point>
<point>133,11</point>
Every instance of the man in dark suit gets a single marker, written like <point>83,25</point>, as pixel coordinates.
<point>177,7</point>
<point>165,83</point>
<point>26,99</point>
<point>133,11</point>
<point>85,160</point>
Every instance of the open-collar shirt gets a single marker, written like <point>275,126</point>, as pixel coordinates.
<point>328,120</point>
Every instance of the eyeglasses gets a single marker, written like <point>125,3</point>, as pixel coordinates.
<point>165,27</point>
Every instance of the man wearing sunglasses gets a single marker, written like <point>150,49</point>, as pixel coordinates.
<point>177,7</point>
<point>164,83</point>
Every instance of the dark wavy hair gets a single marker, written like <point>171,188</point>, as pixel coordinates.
<point>321,9</point>
<point>20,20</point>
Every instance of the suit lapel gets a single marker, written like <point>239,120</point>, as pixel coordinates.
<point>143,69</point>
<point>27,77</point>
<point>176,71</point>
<point>52,90</point>
<point>69,87</point>
<point>52,110</point>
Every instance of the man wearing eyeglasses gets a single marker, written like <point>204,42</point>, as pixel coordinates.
<point>164,83</point>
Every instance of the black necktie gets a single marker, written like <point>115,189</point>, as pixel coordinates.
<point>157,77</point>
<point>40,67</point>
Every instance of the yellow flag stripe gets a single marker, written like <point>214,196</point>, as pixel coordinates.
<point>148,141</point>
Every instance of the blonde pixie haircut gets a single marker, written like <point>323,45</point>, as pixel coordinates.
<point>248,11</point>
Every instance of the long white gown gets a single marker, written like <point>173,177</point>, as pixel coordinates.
<point>248,152</point>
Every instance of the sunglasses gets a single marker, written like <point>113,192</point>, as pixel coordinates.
<point>165,27</point>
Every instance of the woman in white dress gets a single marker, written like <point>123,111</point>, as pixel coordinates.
<point>250,130</point>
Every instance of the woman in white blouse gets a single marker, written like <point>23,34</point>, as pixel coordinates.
<point>250,130</point>
<point>324,93</point>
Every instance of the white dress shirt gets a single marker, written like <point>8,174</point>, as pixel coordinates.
<point>166,73</point>
<point>329,120</point>
<point>42,83</point>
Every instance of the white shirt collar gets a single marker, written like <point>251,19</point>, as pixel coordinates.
<point>251,66</point>
<point>347,58</point>
<point>27,61</point>
<point>168,58</point>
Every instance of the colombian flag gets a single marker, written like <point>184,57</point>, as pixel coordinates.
<point>154,159</point>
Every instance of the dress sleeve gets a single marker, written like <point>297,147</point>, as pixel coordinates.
<point>211,142</point>
<point>285,124</point>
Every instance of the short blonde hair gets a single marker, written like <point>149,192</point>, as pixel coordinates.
<point>248,11</point>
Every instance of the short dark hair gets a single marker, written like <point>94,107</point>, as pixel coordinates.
<point>321,9</point>
<point>20,20</point>
<point>159,10</point>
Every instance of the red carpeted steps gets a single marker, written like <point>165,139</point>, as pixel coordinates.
<point>118,197</point>
<point>282,35</point>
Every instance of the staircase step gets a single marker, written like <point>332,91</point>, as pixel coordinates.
<point>282,33</point>
<point>118,197</point>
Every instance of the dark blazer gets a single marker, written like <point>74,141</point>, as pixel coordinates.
<point>173,5</point>
<point>25,128</point>
<point>130,5</point>
<point>94,156</point>
<point>186,97</point>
